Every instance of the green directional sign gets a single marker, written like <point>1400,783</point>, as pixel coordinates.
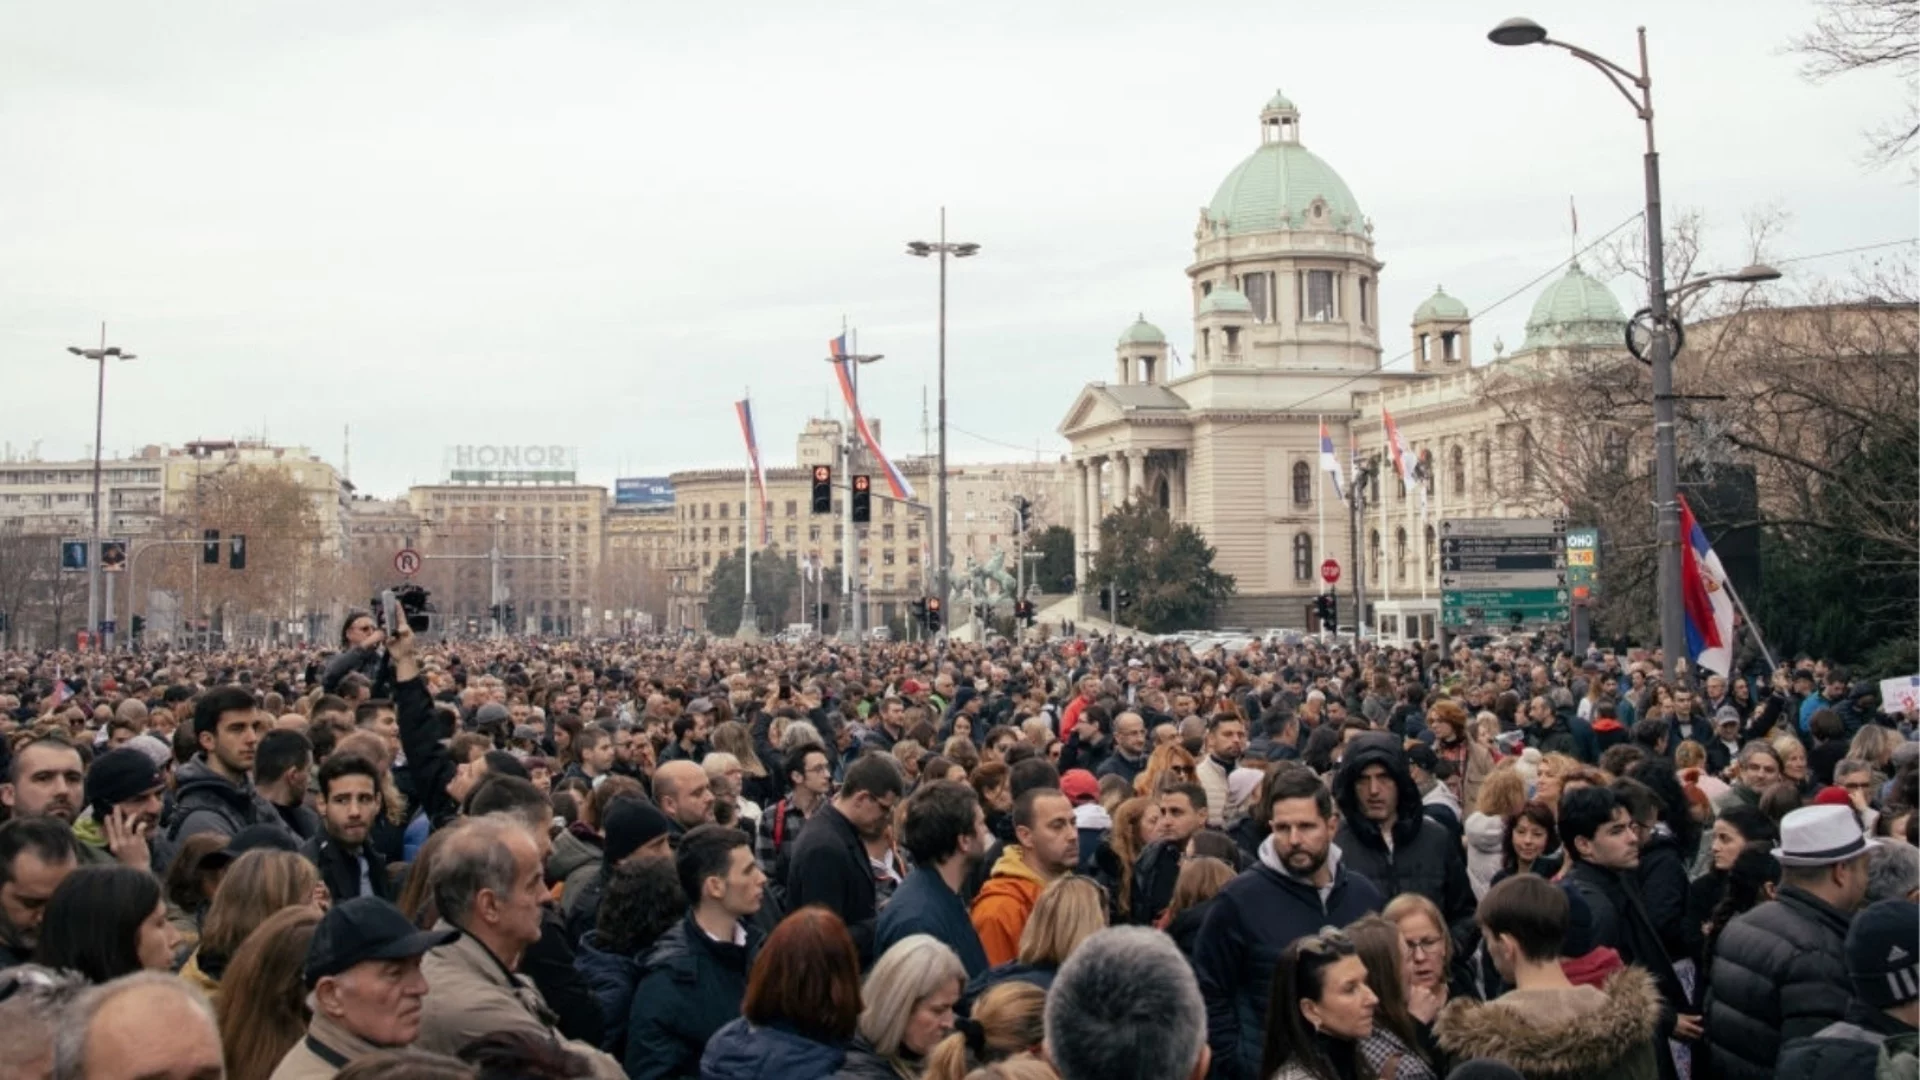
<point>1503,616</point>
<point>1504,599</point>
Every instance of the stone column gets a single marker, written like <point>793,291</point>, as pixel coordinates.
<point>1136,474</point>
<point>1122,477</point>
<point>1080,518</point>
<point>1177,484</point>
<point>1094,513</point>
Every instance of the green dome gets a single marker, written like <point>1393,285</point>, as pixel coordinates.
<point>1440,306</point>
<point>1143,332</point>
<point>1279,102</point>
<point>1576,310</point>
<point>1226,300</point>
<point>1276,186</point>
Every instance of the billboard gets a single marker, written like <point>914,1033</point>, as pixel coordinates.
<point>493,463</point>
<point>643,492</point>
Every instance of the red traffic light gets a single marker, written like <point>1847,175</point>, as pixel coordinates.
<point>862,483</point>
<point>822,474</point>
<point>933,603</point>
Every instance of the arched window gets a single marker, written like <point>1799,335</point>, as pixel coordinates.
<point>1302,484</point>
<point>1373,554</point>
<point>1458,467</point>
<point>1302,557</point>
<point>1400,554</point>
<point>1433,556</point>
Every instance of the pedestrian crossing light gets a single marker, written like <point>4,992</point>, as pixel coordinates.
<point>822,489</point>
<point>237,552</point>
<point>210,547</point>
<point>862,499</point>
<point>933,614</point>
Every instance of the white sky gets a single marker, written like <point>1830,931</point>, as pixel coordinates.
<point>596,223</point>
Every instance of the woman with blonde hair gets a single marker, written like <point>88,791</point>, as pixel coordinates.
<point>1069,911</point>
<point>1007,1021</point>
<point>1170,764</point>
<point>757,785</point>
<point>1793,764</point>
<point>263,1010</point>
<point>1135,825</point>
<point>1501,797</point>
<point>256,887</point>
<point>1201,879</point>
<point>910,996</point>
<point>1426,952</point>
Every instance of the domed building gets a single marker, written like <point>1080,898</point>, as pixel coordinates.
<point>1284,287</point>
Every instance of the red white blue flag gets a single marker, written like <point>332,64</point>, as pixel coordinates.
<point>744,407</point>
<point>1330,462</point>
<point>1707,596</point>
<point>843,368</point>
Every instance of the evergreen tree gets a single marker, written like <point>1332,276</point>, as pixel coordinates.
<point>1163,571</point>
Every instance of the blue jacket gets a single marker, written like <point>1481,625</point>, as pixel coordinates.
<point>611,978</point>
<point>924,905</point>
<point>690,987</point>
<point>1251,922</point>
<point>741,1051</point>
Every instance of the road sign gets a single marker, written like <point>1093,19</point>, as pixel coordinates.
<point>1496,571</point>
<point>1583,563</point>
<point>406,561</point>
<point>113,556</point>
<point>1330,572</point>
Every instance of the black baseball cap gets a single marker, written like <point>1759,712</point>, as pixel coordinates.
<point>366,928</point>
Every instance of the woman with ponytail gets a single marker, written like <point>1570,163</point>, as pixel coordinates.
<point>1007,1022</point>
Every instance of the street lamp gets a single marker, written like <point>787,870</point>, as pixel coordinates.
<point>959,250</point>
<point>850,609</point>
<point>98,355</point>
<point>1750,275</point>
<point>1666,468</point>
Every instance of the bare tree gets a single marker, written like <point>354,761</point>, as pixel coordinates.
<point>1867,35</point>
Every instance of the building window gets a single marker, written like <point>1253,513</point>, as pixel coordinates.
<point>913,531</point>
<point>1302,557</point>
<point>913,556</point>
<point>1366,301</point>
<point>1373,554</point>
<point>1400,554</point>
<point>1486,468</point>
<point>1458,468</point>
<point>886,532</point>
<point>839,533</point>
<point>1302,484</point>
<point>886,581</point>
<point>706,511</point>
<point>886,556</point>
<point>793,533</point>
<point>813,533</point>
<point>793,507</point>
<point>1319,298</point>
<point>1259,291</point>
<point>706,535</point>
<point>706,558</point>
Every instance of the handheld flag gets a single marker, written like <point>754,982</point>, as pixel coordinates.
<point>843,368</point>
<point>1707,596</point>
<point>744,407</point>
<point>1329,462</point>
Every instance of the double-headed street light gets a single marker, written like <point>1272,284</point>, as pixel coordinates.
<point>99,355</point>
<point>850,611</point>
<point>1637,88</point>
<point>959,250</point>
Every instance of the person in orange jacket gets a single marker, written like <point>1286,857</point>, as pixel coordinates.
<point>1046,847</point>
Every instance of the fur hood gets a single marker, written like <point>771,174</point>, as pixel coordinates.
<point>1557,1033</point>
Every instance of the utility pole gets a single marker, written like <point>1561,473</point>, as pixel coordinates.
<point>1365,475</point>
<point>943,565</point>
<point>99,355</point>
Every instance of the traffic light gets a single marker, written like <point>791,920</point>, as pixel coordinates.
<point>139,626</point>
<point>1106,599</point>
<point>1022,513</point>
<point>933,614</point>
<point>862,499</point>
<point>497,613</point>
<point>822,489</point>
<point>237,553</point>
<point>508,609</point>
<point>825,609</point>
<point>1023,612</point>
<point>919,609</point>
<point>210,547</point>
<point>1126,599</point>
<point>1326,607</point>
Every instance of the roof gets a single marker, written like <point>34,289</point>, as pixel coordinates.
<point>1275,188</point>
<point>1439,306</point>
<point>1576,310</point>
<point>1142,332</point>
<point>1279,103</point>
<point>1144,396</point>
<point>1227,300</point>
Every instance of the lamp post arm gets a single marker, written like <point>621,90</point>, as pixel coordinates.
<point>1614,73</point>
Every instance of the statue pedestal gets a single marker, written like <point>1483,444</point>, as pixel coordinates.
<point>749,631</point>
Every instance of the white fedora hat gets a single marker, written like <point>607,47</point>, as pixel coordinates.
<point>1821,836</point>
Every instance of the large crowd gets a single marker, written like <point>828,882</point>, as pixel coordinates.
<point>1085,859</point>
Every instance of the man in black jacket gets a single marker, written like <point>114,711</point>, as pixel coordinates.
<point>1387,838</point>
<point>1602,840</point>
<point>213,792</point>
<point>1882,1026</point>
<point>349,802</point>
<point>1299,885</point>
<point>1183,812</point>
<point>1779,971</point>
<point>829,864</point>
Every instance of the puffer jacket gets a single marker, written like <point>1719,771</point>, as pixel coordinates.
<point>690,987</point>
<point>1867,1044</point>
<point>1486,850</point>
<point>1582,1032</point>
<point>1424,857</point>
<point>205,801</point>
<point>1779,974</point>
<point>742,1051</point>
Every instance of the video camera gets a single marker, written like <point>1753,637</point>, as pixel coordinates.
<point>407,601</point>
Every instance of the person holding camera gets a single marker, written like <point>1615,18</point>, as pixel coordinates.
<point>362,650</point>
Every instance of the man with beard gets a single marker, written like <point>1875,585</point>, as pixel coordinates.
<point>36,855</point>
<point>946,835</point>
<point>349,803</point>
<point>1298,887</point>
<point>1226,741</point>
<point>46,778</point>
<point>123,807</point>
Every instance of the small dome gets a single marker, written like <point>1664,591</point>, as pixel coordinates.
<point>1440,306</point>
<point>1276,188</point>
<point>1279,103</point>
<point>1576,310</point>
<point>1143,332</point>
<point>1226,300</point>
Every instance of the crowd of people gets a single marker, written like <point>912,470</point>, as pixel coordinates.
<point>1084,859</point>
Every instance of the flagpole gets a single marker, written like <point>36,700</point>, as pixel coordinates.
<point>1386,555</point>
<point>749,629</point>
<point>1320,541</point>
<point>1752,627</point>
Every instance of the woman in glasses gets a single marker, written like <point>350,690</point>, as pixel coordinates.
<point>1320,1011</point>
<point>1171,764</point>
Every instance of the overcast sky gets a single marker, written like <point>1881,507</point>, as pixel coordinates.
<point>595,224</point>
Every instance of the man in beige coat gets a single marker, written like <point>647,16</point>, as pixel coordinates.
<point>489,884</point>
<point>364,983</point>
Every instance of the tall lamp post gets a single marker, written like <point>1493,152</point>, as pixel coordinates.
<point>852,607</point>
<point>98,355</point>
<point>959,250</point>
<point>1637,88</point>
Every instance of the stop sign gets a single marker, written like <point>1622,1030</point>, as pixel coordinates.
<point>1330,572</point>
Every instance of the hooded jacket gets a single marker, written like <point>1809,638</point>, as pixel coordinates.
<point>1000,912</point>
<point>1867,1044</point>
<point>1424,857</point>
<point>1779,974</point>
<point>205,801</point>
<point>1583,1032</point>
<point>743,1051</point>
<point>1248,925</point>
<point>1486,850</point>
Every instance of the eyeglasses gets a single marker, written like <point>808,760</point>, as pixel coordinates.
<point>1424,946</point>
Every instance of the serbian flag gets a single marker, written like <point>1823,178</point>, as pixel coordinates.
<point>1330,462</point>
<point>1708,598</point>
<point>837,347</point>
<point>843,368</point>
<point>1397,446</point>
<point>744,407</point>
<point>62,692</point>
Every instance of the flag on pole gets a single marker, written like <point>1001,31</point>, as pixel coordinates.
<point>1330,462</point>
<point>744,407</point>
<point>843,367</point>
<point>61,692</point>
<point>1707,596</point>
<point>837,347</point>
<point>1397,446</point>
